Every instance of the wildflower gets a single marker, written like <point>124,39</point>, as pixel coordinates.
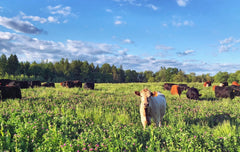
<point>97,145</point>
<point>195,136</point>
<point>64,144</point>
<point>91,149</point>
<point>133,144</point>
<point>70,145</point>
<point>61,146</point>
<point>84,148</point>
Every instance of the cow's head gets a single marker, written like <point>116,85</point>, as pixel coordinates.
<point>145,95</point>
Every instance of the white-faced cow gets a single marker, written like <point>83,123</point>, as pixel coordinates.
<point>153,105</point>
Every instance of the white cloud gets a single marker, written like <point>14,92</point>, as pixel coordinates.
<point>182,23</point>
<point>19,25</point>
<point>187,52</point>
<point>60,10</point>
<point>182,3</point>
<point>109,10</point>
<point>128,41</point>
<point>152,7</point>
<point>33,49</point>
<point>227,40</point>
<point>163,47</point>
<point>229,44</point>
<point>118,20</point>
<point>52,19</point>
<point>33,18</point>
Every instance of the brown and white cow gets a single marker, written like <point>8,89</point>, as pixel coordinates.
<point>153,105</point>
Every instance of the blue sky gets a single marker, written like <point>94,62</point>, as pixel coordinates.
<point>200,36</point>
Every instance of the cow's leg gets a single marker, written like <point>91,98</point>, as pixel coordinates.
<point>160,122</point>
<point>144,121</point>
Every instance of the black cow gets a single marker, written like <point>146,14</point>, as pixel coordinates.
<point>4,82</point>
<point>224,92</point>
<point>71,84</point>
<point>183,86</point>
<point>11,92</point>
<point>207,84</point>
<point>48,84</point>
<point>223,84</point>
<point>168,86</point>
<point>89,85</point>
<point>20,84</point>
<point>236,90</point>
<point>193,93</point>
<point>77,83</point>
<point>34,84</point>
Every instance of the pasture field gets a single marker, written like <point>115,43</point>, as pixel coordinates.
<point>108,119</point>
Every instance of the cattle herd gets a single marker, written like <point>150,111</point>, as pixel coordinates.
<point>12,88</point>
<point>153,104</point>
<point>221,91</point>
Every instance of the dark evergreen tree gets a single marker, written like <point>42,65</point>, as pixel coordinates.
<point>13,65</point>
<point>3,64</point>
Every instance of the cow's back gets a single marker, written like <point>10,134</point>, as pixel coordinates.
<point>158,105</point>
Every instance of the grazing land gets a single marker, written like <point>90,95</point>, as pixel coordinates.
<point>108,119</point>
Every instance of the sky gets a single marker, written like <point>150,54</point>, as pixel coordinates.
<point>196,36</point>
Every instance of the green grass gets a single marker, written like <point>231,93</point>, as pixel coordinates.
<point>108,119</point>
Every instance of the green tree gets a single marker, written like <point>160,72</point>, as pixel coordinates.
<point>221,77</point>
<point>35,70</point>
<point>131,76</point>
<point>13,65</point>
<point>121,74</point>
<point>170,73</point>
<point>3,65</point>
<point>148,75</point>
<point>180,77</point>
<point>76,70</point>
<point>160,76</point>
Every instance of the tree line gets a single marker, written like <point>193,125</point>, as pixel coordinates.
<point>11,68</point>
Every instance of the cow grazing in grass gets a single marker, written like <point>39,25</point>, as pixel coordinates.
<point>71,84</point>
<point>89,85</point>
<point>33,84</point>
<point>236,90</point>
<point>48,84</point>
<point>153,105</point>
<point>11,92</point>
<point>77,83</point>
<point>223,84</point>
<point>193,93</point>
<point>168,86</point>
<point>213,88</point>
<point>235,83</point>
<point>183,86</point>
<point>20,84</point>
<point>176,90</point>
<point>224,92</point>
<point>207,84</point>
<point>4,82</point>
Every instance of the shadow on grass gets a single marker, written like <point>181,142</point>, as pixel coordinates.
<point>212,120</point>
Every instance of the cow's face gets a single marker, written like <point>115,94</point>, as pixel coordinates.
<point>145,95</point>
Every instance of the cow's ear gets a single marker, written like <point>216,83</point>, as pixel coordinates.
<point>154,94</point>
<point>137,93</point>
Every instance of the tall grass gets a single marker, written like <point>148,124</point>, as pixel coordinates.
<point>108,119</point>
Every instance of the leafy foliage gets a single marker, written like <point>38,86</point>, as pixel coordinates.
<point>10,68</point>
<point>108,119</point>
